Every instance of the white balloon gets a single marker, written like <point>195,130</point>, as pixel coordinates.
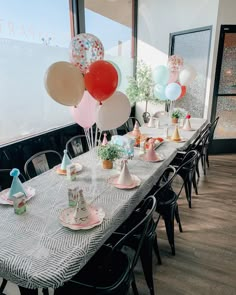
<point>113,112</point>
<point>187,75</point>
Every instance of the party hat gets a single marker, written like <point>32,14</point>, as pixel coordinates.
<point>175,136</point>
<point>104,141</point>
<point>82,212</point>
<point>151,122</point>
<point>187,125</point>
<point>136,131</point>
<point>125,177</point>
<point>65,161</point>
<point>151,154</point>
<point>16,185</point>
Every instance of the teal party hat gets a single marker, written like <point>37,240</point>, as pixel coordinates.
<point>65,161</point>
<point>16,185</point>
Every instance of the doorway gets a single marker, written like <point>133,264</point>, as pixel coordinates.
<point>224,95</point>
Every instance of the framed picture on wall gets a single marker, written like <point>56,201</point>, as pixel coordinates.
<point>194,46</point>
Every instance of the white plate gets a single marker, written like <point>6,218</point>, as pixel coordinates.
<point>67,220</point>
<point>160,158</point>
<point>113,180</point>
<point>30,192</point>
<point>182,139</point>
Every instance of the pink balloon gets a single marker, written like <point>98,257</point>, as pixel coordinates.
<point>173,76</point>
<point>84,113</point>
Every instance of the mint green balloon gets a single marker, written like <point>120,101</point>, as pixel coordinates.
<point>159,92</point>
<point>161,75</point>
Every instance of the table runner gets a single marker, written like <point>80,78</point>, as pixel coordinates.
<point>38,252</point>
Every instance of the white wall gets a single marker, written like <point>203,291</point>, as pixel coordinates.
<point>158,18</point>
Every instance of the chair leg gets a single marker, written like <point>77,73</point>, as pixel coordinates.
<point>207,159</point>
<point>134,287</point>
<point>197,169</point>
<point>25,291</point>
<point>156,249</point>
<point>3,285</point>
<point>146,260</point>
<point>178,218</point>
<point>169,223</point>
<point>45,291</point>
<point>195,183</point>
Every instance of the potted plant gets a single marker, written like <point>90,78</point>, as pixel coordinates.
<point>108,153</point>
<point>140,87</point>
<point>177,114</point>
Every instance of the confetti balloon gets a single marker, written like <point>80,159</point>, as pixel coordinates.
<point>84,50</point>
<point>175,63</point>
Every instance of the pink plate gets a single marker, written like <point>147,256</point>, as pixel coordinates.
<point>67,218</point>
<point>30,192</point>
<point>63,172</point>
<point>113,180</point>
<point>159,159</point>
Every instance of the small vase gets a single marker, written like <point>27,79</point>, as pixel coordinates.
<point>107,164</point>
<point>146,116</point>
<point>174,120</point>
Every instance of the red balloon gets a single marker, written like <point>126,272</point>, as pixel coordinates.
<point>101,80</point>
<point>183,92</point>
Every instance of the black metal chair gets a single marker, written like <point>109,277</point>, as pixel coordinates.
<point>111,269</point>
<point>2,287</point>
<point>76,146</point>
<point>210,139</point>
<point>149,243</point>
<point>167,206</point>
<point>186,169</point>
<point>41,162</point>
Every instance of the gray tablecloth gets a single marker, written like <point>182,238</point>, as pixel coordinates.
<point>38,252</point>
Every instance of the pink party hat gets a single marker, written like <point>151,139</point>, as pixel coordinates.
<point>65,161</point>
<point>16,185</point>
<point>151,154</point>
<point>125,177</point>
<point>136,131</point>
<point>82,212</point>
<point>104,141</point>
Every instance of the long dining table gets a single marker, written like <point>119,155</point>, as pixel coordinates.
<point>38,252</point>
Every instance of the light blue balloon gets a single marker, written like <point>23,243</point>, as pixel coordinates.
<point>173,91</point>
<point>159,92</point>
<point>161,75</point>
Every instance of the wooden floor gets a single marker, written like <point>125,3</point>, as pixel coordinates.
<point>205,261</point>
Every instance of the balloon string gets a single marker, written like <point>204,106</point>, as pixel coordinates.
<point>96,135</point>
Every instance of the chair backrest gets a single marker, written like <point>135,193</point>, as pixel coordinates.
<point>144,216</point>
<point>164,183</point>
<point>189,161</point>
<point>6,179</point>
<point>76,146</point>
<point>41,162</point>
<point>129,124</point>
<point>198,140</point>
<point>212,129</point>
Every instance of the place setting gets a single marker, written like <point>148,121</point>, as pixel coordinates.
<point>17,191</point>
<point>68,168</point>
<point>80,215</point>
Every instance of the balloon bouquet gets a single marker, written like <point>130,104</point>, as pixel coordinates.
<point>88,85</point>
<point>171,81</point>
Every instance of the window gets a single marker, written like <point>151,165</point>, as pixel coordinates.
<point>112,22</point>
<point>33,35</point>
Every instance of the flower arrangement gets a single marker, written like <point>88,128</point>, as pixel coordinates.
<point>110,152</point>
<point>178,113</point>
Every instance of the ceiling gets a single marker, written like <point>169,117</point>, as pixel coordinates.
<point>117,10</point>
